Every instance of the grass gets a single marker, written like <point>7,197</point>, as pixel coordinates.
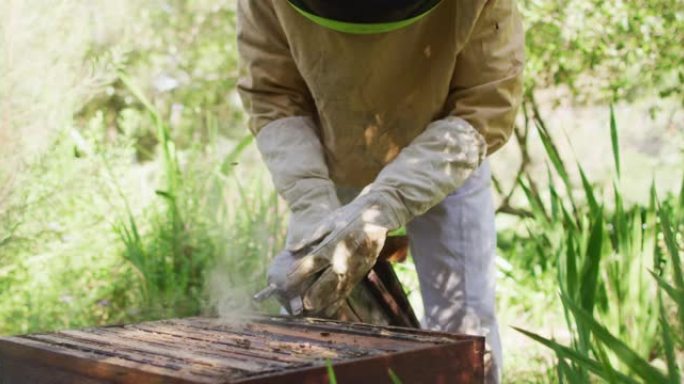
<point>201,234</point>
<point>332,377</point>
<point>89,246</point>
<point>130,190</point>
<point>90,236</point>
<point>615,314</point>
<point>202,238</point>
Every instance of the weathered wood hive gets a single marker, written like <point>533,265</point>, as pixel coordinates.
<point>250,350</point>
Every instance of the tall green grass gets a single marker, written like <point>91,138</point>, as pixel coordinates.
<point>84,242</point>
<point>611,262</point>
<point>211,237</point>
<point>78,224</point>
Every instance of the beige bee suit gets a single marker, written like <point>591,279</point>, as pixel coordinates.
<point>371,95</point>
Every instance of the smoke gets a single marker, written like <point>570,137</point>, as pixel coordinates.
<point>252,231</point>
<point>229,299</point>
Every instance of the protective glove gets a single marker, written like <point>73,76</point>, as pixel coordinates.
<point>317,279</point>
<point>344,247</point>
<point>433,166</point>
<point>294,157</point>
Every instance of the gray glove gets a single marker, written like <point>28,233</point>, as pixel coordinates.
<point>294,156</point>
<point>317,279</point>
<point>434,165</point>
<point>344,247</point>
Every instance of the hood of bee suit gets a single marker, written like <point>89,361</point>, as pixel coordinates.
<point>364,16</point>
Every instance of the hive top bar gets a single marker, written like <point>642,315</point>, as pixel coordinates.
<point>246,350</point>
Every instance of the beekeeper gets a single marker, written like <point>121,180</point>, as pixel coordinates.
<point>377,114</point>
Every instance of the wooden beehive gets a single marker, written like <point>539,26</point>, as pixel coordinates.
<point>250,350</point>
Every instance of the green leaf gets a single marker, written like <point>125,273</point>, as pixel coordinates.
<point>401,231</point>
<point>163,132</point>
<point>554,156</point>
<point>681,201</point>
<point>569,353</point>
<point>615,141</point>
<point>653,197</point>
<point>230,160</point>
<point>672,248</point>
<point>139,94</point>
<point>571,280</point>
<point>630,358</point>
<point>681,194</point>
<point>600,351</point>
<point>555,199</point>
<point>668,345</point>
<point>393,376</point>
<point>165,194</point>
<point>573,375</point>
<point>588,191</point>
<point>535,201</point>
<point>570,224</point>
<point>331,372</point>
<point>620,220</point>
<point>675,294</point>
<point>553,153</point>
<point>592,261</point>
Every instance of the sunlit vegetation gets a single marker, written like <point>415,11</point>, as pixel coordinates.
<point>130,188</point>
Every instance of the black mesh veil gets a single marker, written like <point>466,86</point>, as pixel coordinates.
<point>366,11</point>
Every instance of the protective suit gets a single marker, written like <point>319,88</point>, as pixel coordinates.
<point>371,95</point>
<point>404,117</point>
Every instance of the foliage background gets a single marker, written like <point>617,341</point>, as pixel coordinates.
<point>130,190</point>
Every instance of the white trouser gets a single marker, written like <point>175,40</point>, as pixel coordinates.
<point>453,246</point>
